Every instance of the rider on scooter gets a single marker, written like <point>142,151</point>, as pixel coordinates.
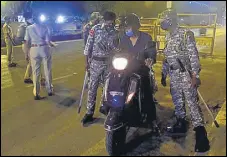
<point>135,42</point>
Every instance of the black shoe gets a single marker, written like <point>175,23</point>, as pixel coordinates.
<point>179,127</point>
<point>87,118</point>
<point>202,142</point>
<point>50,94</point>
<point>104,110</point>
<point>12,65</point>
<point>28,81</point>
<point>37,97</point>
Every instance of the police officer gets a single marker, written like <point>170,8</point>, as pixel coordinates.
<point>180,51</point>
<point>101,42</point>
<point>135,42</point>
<point>20,38</point>
<point>94,20</point>
<point>37,39</point>
<point>8,37</point>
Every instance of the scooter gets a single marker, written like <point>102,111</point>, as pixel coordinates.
<point>123,96</point>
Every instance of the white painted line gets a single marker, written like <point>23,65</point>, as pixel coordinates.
<point>58,78</point>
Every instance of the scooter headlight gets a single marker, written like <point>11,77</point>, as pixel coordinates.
<point>120,63</point>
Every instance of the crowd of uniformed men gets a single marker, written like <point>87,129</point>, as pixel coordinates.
<point>101,38</point>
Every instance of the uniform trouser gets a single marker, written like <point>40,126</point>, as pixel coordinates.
<point>9,49</point>
<point>28,72</point>
<point>97,68</point>
<point>38,55</point>
<point>182,92</point>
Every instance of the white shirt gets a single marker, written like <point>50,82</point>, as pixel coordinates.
<point>37,34</point>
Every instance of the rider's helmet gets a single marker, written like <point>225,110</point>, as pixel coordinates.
<point>132,20</point>
<point>168,19</point>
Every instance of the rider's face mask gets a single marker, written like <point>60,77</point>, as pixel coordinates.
<point>165,24</point>
<point>129,32</point>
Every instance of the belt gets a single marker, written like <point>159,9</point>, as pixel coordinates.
<point>99,58</point>
<point>38,45</point>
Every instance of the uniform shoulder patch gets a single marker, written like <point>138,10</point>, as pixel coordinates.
<point>92,32</point>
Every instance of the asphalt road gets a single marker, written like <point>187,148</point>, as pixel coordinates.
<point>52,126</point>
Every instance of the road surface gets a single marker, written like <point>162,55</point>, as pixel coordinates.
<point>52,126</point>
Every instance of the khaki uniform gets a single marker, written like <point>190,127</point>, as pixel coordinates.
<point>20,36</point>
<point>7,30</point>
<point>38,36</point>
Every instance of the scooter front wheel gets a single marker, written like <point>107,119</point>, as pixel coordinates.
<point>115,141</point>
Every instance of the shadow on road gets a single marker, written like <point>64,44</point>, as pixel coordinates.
<point>63,97</point>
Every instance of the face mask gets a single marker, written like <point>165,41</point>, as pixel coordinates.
<point>165,24</point>
<point>129,33</point>
<point>109,27</point>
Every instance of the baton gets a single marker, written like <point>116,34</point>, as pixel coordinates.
<point>82,93</point>
<point>215,122</point>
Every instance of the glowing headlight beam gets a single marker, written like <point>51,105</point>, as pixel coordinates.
<point>42,18</point>
<point>60,19</point>
<point>120,63</point>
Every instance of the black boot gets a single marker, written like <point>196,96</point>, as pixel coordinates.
<point>178,128</point>
<point>104,110</point>
<point>37,97</point>
<point>202,142</point>
<point>87,118</point>
<point>28,81</point>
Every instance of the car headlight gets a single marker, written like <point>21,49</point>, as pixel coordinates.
<point>120,63</point>
<point>60,19</point>
<point>42,18</point>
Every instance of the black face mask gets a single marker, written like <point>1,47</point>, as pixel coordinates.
<point>109,28</point>
<point>166,24</point>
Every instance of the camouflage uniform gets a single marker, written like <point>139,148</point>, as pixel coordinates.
<point>180,44</point>
<point>101,42</point>
<point>88,26</point>
<point>86,30</point>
